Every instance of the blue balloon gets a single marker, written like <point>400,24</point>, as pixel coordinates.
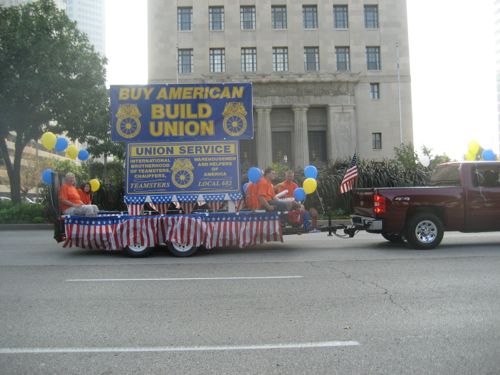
<point>489,155</point>
<point>83,155</point>
<point>299,194</point>
<point>245,187</point>
<point>254,174</point>
<point>61,144</point>
<point>311,171</point>
<point>47,176</point>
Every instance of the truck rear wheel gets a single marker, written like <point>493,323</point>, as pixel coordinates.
<point>424,231</point>
<point>181,250</point>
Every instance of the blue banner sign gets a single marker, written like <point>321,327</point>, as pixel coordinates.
<point>183,168</point>
<point>182,112</point>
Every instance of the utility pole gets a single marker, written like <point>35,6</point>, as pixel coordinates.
<point>399,96</point>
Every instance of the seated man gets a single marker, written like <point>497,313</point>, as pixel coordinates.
<point>267,197</point>
<point>289,185</point>
<point>70,201</point>
<point>251,198</point>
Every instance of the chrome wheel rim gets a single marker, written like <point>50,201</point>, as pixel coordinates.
<point>426,231</point>
<point>137,248</point>
<point>182,248</point>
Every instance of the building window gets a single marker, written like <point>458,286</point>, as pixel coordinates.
<point>371,16</point>
<point>311,59</point>
<point>375,91</point>
<point>248,153</point>
<point>216,18</point>
<point>310,13</point>
<point>249,59</point>
<point>282,147</point>
<point>343,59</point>
<point>217,60</point>
<point>184,18</point>
<point>247,17</point>
<point>185,61</point>
<point>373,58</point>
<point>278,15</point>
<point>340,17</point>
<point>280,59</point>
<point>317,146</point>
<point>377,141</point>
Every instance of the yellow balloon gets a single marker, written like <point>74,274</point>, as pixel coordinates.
<point>94,185</point>
<point>470,156</point>
<point>72,152</point>
<point>474,147</point>
<point>310,185</point>
<point>49,140</point>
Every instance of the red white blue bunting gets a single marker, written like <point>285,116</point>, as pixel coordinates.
<point>210,230</point>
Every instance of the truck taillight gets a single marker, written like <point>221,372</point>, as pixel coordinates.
<point>378,204</point>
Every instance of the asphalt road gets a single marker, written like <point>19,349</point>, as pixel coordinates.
<point>310,305</point>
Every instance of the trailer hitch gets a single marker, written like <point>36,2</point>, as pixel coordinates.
<point>348,230</point>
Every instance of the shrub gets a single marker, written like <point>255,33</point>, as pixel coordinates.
<point>370,174</point>
<point>21,213</point>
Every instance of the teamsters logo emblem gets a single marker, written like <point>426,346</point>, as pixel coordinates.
<point>182,173</point>
<point>235,119</point>
<point>128,124</point>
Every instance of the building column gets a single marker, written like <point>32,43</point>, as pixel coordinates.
<point>300,136</point>
<point>264,137</point>
<point>341,132</point>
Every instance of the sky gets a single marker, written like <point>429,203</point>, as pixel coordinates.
<point>452,62</point>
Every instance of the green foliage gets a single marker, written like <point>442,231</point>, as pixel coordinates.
<point>61,167</point>
<point>403,170</point>
<point>112,177</point>
<point>21,213</point>
<point>51,79</point>
<point>406,155</point>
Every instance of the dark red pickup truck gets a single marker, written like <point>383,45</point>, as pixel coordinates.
<point>461,196</point>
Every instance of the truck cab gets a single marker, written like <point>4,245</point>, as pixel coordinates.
<point>460,196</point>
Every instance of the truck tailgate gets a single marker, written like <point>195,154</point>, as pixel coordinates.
<point>363,202</point>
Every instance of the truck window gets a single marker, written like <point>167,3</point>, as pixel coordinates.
<point>485,176</point>
<point>446,175</point>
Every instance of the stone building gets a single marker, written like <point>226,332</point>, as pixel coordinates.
<point>329,77</point>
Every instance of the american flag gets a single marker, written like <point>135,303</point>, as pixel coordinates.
<point>350,176</point>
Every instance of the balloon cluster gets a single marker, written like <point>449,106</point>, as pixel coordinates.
<point>47,179</point>
<point>309,185</point>
<point>476,152</point>
<point>52,142</point>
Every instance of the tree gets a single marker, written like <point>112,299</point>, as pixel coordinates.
<point>51,80</point>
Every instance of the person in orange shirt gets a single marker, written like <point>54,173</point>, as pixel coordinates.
<point>84,193</point>
<point>251,199</point>
<point>267,196</point>
<point>289,185</point>
<point>308,215</point>
<point>70,201</point>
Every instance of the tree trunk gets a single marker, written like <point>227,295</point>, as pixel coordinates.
<point>14,169</point>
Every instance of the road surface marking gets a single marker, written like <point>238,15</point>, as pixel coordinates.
<point>187,279</point>
<point>149,349</point>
